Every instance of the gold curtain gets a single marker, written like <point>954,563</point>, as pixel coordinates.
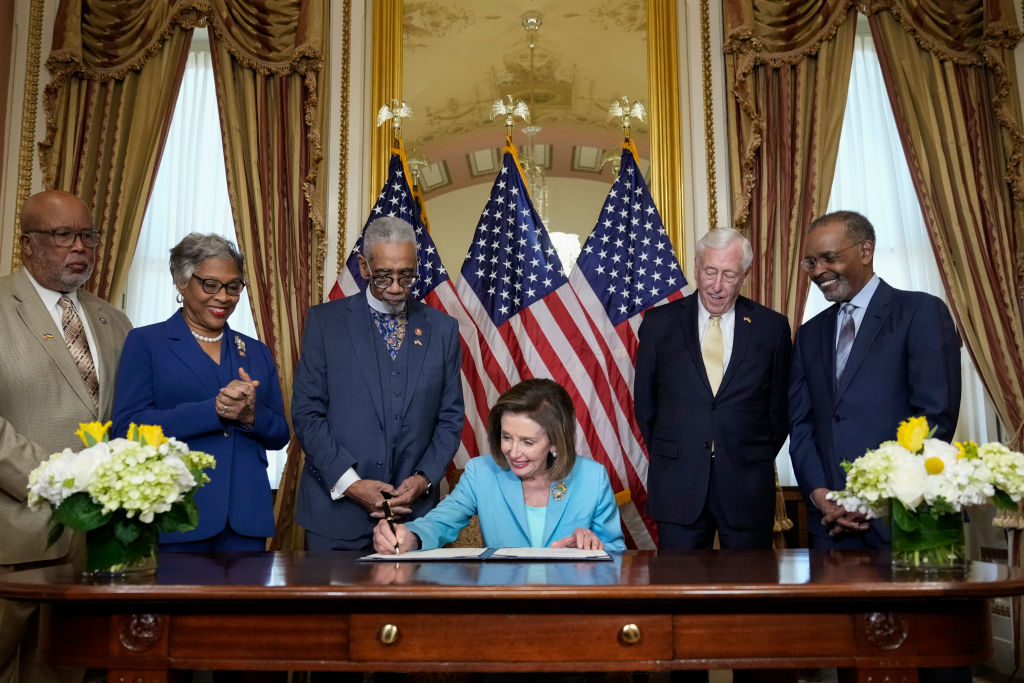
<point>267,60</point>
<point>949,70</point>
<point>116,70</point>
<point>787,71</point>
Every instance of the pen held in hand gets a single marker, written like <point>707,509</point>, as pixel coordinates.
<point>390,517</point>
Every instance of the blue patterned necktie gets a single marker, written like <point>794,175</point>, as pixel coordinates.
<point>391,328</point>
<point>847,332</point>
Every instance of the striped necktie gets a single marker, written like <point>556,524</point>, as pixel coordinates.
<point>847,332</point>
<point>78,345</point>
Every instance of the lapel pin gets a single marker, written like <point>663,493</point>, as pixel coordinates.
<point>103,320</point>
<point>240,345</point>
<point>418,331</point>
<point>746,319</point>
<point>417,342</point>
<point>47,336</point>
<point>558,490</point>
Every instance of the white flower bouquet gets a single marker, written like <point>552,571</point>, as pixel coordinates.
<point>922,484</point>
<point>120,492</point>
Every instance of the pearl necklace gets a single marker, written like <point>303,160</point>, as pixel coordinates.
<point>211,340</point>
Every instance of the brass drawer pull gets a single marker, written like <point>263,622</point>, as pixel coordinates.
<point>388,634</point>
<point>630,634</point>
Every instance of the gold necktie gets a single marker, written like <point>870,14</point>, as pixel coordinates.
<point>78,345</point>
<point>713,351</point>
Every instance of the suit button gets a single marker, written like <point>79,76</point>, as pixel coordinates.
<point>836,417</point>
<point>380,463</point>
<point>227,433</point>
<point>395,373</point>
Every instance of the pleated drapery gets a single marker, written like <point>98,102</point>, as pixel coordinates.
<point>788,72</point>
<point>116,67</point>
<point>267,58</point>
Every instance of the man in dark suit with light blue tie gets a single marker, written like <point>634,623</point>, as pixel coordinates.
<point>876,357</point>
<point>710,398</point>
<point>377,401</point>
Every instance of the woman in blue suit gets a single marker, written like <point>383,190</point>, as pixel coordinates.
<point>532,492</point>
<point>213,388</point>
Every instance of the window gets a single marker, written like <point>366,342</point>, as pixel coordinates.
<point>190,194</point>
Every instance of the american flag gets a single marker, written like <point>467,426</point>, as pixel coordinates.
<point>531,323</point>
<point>625,267</point>
<point>434,288</point>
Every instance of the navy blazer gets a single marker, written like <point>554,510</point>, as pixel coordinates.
<point>905,362</point>
<point>164,379</point>
<point>680,418</point>
<point>496,496</point>
<point>338,410</point>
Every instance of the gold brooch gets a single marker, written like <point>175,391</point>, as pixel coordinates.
<point>558,490</point>
<point>240,345</point>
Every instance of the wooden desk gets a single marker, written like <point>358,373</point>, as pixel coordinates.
<point>645,611</point>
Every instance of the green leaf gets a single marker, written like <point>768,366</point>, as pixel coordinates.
<point>127,530</point>
<point>183,516</point>
<point>902,517</point>
<point>1002,500</point>
<point>55,532</point>
<point>80,512</point>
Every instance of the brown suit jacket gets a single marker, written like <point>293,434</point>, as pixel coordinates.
<point>42,401</point>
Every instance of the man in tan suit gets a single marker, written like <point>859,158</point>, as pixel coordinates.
<point>45,394</point>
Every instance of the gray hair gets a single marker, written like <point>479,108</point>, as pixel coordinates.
<point>388,229</point>
<point>722,238</point>
<point>858,228</point>
<point>195,248</point>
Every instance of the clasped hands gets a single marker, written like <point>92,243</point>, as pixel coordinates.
<point>237,401</point>
<point>370,494</point>
<point>837,518</point>
<point>384,541</point>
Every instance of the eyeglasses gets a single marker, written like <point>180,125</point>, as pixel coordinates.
<point>384,281</point>
<point>62,237</point>
<point>211,286</point>
<point>829,257</point>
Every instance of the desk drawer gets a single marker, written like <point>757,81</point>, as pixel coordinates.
<point>455,637</point>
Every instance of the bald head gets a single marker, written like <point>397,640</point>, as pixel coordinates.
<point>46,218</point>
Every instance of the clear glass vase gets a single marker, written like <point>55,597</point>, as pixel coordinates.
<point>120,558</point>
<point>933,544</point>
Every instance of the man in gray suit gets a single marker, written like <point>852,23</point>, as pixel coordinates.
<point>377,400</point>
<point>46,394</point>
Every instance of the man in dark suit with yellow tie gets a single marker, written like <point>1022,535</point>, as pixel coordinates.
<point>710,393</point>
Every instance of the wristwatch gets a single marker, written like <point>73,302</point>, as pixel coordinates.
<point>430,487</point>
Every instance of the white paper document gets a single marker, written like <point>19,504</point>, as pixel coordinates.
<point>457,554</point>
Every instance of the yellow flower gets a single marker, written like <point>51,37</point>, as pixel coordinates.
<point>934,465</point>
<point>147,435</point>
<point>968,449</point>
<point>912,433</point>
<point>91,433</point>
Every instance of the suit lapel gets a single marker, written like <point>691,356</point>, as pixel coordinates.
<point>512,491</point>
<point>362,334</point>
<point>742,332</point>
<point>691,338</point>
<point>828,347</point>
<point>415,345</point>
<point>40,324</point>
<point>182,344</point>
<point>878,310</point>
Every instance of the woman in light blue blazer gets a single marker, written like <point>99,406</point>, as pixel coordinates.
<point>213,388</point>
<point>532,492</point>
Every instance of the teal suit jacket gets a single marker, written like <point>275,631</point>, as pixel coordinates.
<point>496,495</point>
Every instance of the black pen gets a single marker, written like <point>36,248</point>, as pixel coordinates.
<point>388,515</point>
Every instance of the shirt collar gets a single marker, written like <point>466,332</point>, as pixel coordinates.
<point>863,297</point>
<point>381,307</point>
<point>49,296</point>
<point>703,315</point>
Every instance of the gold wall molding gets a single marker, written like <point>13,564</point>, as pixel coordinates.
<point>386,66</point>
<point>343,133</point>
<point>30,99</point>
<point>709,113</point>
<point>666,138</point>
